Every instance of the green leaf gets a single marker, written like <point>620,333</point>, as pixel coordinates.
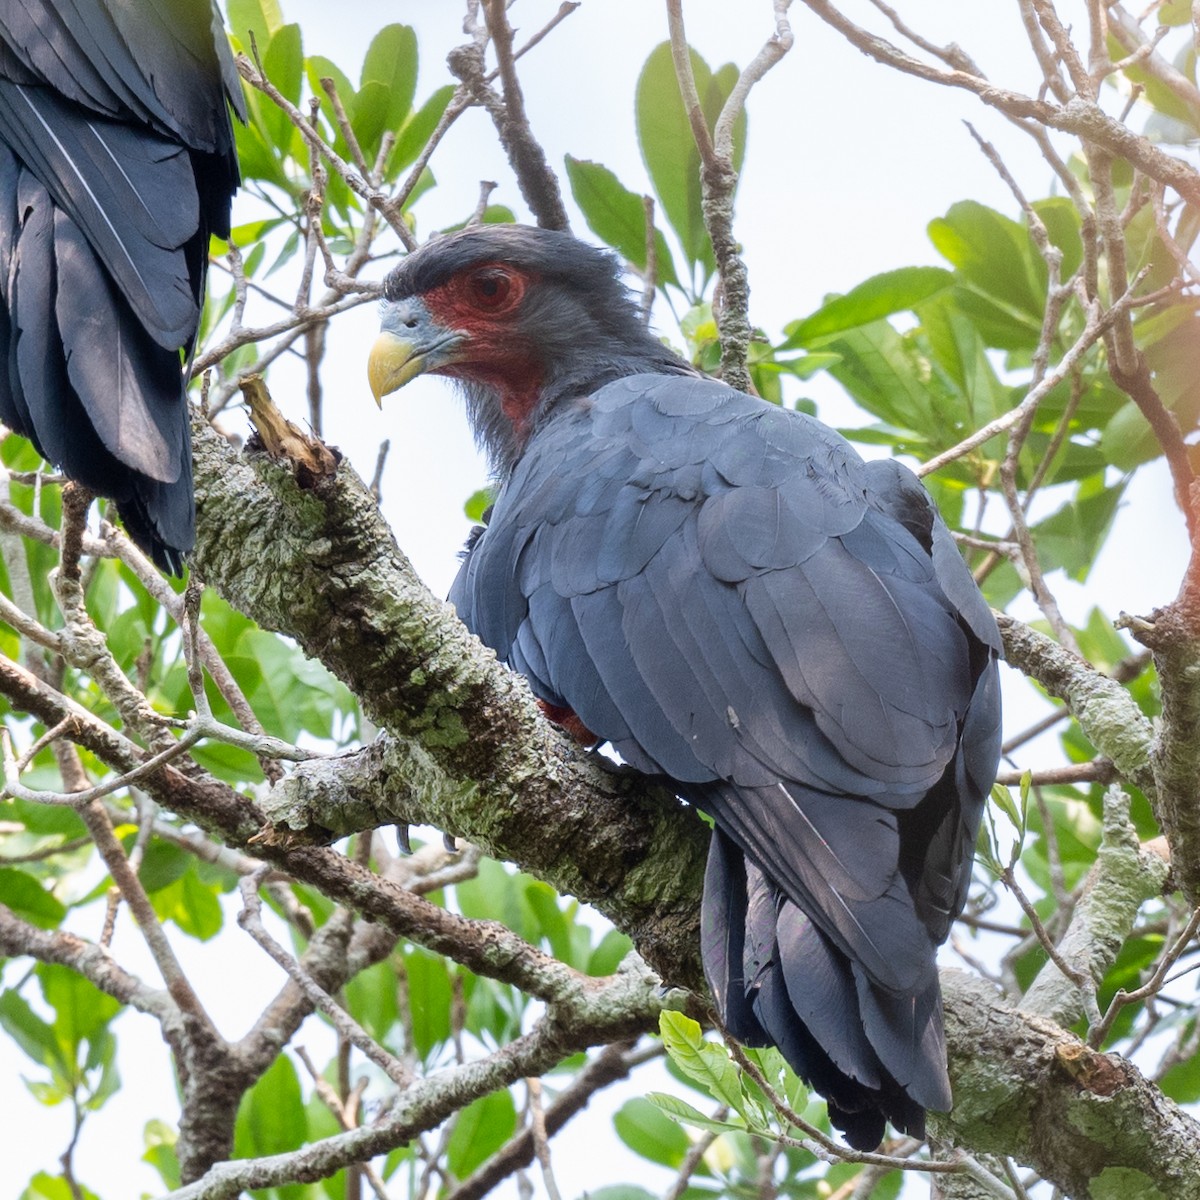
<point>609,954</point>
<point>647,1132</point>
<point>258,158</point>
<point>495,893</point>
<point>430,994</point>
<point>617,217</point>
<point>28,1030</point>
<point>190,904</point>
<point>318,67</point>
<point>680,1110</point>
<point>962,355</point>
<point>1182,1081</point>
<point>478,503</point>
<point>391,65</point>
<point>367,111</point>
<point>887,374</point>
<point>1071,537</point>
<point>371,997</point>
<point>283,63</point>
<point>993,253</point>
<point>1061,218</point>
<point>81,1010</point>
<point>1002,799</point>
<point>416,132</point>
<point>1179,111</point>
<point>804,366</point>
<point>55,1187</point>
<point>259,17</point>
<point>669,149</point>
<point>271,1118</point>
<point>877,297</point>
<point>162,864</point>
<point>29,900</point>
<point>705,1062</point>
<point>555,927</point>
<point>44,819</point>
<point>160,1140</point>
<point>481,1129</point>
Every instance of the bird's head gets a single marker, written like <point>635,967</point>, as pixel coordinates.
<point>520,317</point>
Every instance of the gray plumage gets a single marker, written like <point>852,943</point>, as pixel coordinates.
<point>730,596</point>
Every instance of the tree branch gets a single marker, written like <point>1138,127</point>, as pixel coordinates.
<point>1106,712</point>
<point>1077,116</point>
<point>313,563</point>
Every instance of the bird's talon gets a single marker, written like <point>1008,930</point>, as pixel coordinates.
<point>404,839</point>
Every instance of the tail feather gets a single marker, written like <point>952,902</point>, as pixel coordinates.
<point>81,378</point>
<point>778,979</point>
<point>727,945</point>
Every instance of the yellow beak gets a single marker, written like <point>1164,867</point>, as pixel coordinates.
<point>393,362</point>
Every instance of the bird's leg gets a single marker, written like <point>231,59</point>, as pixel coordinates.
<point>568,722</point>
<point>404,839</point>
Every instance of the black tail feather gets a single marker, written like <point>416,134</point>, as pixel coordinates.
<point>778,979</point>
<point>78,372</point>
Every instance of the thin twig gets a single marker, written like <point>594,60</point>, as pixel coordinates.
<point>250,919</point>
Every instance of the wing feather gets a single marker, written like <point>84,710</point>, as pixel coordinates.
<point>728,595</point>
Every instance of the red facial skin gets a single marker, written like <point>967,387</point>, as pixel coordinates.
<point>483,303</point>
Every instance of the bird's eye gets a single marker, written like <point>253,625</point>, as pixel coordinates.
<point>490,288</point>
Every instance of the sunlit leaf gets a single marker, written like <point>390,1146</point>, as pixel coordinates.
<point>877,297</point>
<point>258,17</point>
<point>705,1062</point>
<point>680,1110</point>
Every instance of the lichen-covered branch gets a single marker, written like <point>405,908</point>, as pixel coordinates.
<point>609,1010</point>
<point>469,750</point>
<point>1090,1123</point>
<point>1124,874</point>
<point>323,567</point>
<point>538,183</point>
<point>1173,635</point>
<point>1106,712</point>
<point>718,178</point>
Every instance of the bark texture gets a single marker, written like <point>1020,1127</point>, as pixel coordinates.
<point>468,751</point>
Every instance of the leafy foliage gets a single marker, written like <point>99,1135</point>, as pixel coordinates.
<point>926,354</point>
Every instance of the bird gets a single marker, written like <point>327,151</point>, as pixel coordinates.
<point>723,591</point>
<point>117,162</point>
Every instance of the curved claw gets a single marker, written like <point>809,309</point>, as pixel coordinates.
<point>448,840</point>
<point>404,839</point>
